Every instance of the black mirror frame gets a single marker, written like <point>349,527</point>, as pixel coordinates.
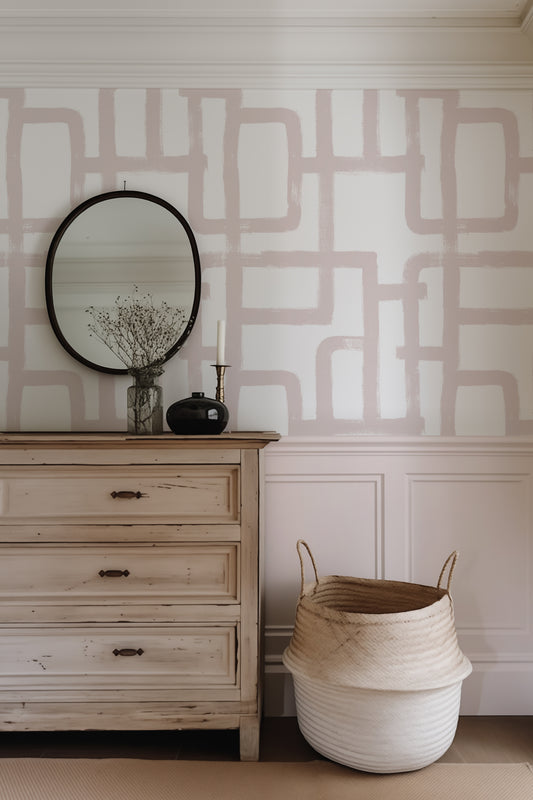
<point>50,265</point>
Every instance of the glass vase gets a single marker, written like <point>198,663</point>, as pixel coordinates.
<point>145,403</point>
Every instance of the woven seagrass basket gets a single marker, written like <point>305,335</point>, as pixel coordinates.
<point>377,669</point>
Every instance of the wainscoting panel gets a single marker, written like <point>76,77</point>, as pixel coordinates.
<point>396,509</point>
<point>334,514</point>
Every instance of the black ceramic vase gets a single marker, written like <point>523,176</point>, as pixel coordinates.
<point>197,415</point>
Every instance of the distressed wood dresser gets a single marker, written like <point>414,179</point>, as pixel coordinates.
<point>130,582</point>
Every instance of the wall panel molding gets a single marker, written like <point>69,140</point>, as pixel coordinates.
<point>437,494</point>
<point>412,445</point>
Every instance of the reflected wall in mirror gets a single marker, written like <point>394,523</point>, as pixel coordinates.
<point>110,246</point>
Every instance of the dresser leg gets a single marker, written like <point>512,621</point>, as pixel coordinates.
<point>249,738</point>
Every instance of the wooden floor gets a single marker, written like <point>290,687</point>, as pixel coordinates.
<point>478,739</point>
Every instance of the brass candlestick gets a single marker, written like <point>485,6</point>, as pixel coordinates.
<point>221,369</point>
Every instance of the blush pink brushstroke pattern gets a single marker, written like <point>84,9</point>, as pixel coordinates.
<point>233,258</point>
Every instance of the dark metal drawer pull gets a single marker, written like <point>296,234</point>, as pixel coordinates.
<point>125,495</point>
<point>114,573</point>
<point>128,651</point>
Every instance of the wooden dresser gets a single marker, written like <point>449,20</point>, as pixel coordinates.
<point>130,582</point>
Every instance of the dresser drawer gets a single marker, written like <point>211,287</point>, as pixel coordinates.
<point>119,658</point>
<point>62,575</point>
<point>134,494</point>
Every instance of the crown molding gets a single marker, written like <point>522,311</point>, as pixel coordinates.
<point>217,75</point>
<point>277,19</point>
<point>213,9</point>
<point>318,49</point>
<point>527,22</point>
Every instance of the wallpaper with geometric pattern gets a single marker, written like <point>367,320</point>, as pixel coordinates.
<point>370,251</point>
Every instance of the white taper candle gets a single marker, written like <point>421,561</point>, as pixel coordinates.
<point>221,341</point>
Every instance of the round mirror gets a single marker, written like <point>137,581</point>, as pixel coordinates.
<point>115,248</point>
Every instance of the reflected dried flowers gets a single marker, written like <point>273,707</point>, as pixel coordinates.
<point>136,330</point>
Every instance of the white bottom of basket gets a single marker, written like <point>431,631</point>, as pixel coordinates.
<point>377,731</point>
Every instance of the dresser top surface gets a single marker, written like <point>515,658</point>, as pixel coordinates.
<point>234,440</point>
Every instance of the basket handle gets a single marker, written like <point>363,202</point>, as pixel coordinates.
<point>299,544</point>
<point>451,560</point>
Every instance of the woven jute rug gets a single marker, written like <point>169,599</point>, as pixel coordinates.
<point>132,779</point>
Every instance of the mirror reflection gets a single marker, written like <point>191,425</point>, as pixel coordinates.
<point>113,246</point>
